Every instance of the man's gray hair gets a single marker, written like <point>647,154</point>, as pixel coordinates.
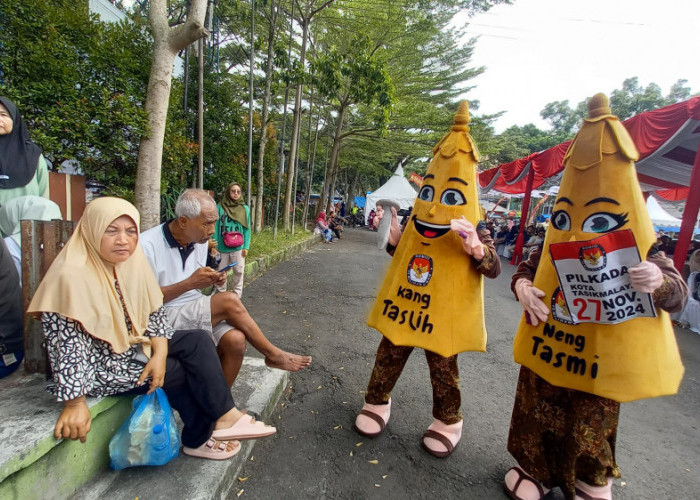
<point>189,204</point>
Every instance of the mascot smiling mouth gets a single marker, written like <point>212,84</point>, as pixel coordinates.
<point>430,230</point>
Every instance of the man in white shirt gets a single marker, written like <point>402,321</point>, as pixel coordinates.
<point>177,252</point>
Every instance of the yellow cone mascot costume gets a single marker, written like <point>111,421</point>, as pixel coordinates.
<point>432,295</point>
<point>595,332</point>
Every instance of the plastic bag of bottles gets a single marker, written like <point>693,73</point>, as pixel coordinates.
<point>149,436</point>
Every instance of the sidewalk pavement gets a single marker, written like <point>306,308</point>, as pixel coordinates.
<point>317,304</point>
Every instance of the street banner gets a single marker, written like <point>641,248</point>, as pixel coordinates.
<point>416,179</point>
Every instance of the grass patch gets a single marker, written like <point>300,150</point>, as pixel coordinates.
<point>263,243</point>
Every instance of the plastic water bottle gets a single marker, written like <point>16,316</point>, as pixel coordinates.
<point>159,444</point>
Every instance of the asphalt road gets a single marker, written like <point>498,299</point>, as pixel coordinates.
<point>317,303</point>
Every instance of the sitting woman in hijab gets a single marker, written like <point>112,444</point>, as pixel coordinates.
<point>11,316</point>
<point>323,229</point>
<point>23,169</point>
<point>17,210</point>
<point>106,333</point>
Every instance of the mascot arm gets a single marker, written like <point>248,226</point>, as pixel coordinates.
<point>490,264</point>
<point>672,293</point>
<point>395,232</point>
<point>526,269</point>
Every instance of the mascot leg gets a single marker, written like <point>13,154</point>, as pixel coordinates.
<point>444,433</point>
<point>585,491</point>
<point>520,485</point>
<point>388,366</point>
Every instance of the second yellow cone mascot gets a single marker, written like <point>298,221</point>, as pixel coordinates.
<point>596,330</point>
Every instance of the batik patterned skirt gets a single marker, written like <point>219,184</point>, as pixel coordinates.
<point>559,435</point>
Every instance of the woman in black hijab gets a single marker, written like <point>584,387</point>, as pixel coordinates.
<point>23,169</point>
<point>11,337</point>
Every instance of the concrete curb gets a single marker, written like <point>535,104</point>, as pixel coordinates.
<point>259,265</point>
<point>258,388</point>
<point>31,455</point>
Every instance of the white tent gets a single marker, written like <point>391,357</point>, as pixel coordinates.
<point>397,188</point>
<point>659,216</point>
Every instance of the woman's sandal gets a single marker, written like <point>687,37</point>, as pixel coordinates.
<point>245,427</point>
<point>441,439</point>
<point>372,419</point>
<point>214,449</point>
<point>536,491</point>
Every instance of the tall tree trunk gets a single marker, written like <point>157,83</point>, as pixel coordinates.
<point>305,21</point>
<point>337,139</point>
<point>168,41</point>
<point>330,206</point>
<point>280,171</point>
<point>352,189</point>
<point>310,161</point>
<point>249,176</point>
<point>265,115</point>
<point>296,125</point>
<point>296,172</point>
<point>200,113</point>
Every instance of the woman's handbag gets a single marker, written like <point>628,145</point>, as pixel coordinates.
<point>233,239</point>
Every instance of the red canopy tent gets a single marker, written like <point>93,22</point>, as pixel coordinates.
<point>669,164</point>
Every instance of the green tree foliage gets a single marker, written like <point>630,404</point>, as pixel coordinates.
<point>633,99</point>
<point>78,83</point>
<point>427,62</point>
<point>628,101</point>
<point>80,86</point>
<point>517,142</point>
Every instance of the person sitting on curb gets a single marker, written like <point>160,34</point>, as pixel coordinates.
<point>106,333</point>
<point>323,229</point>
<point>11,317</point>
<point>177,252</point>
<point>13,212</point>
<point>335,225</point>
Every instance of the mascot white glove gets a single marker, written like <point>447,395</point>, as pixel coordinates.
<point>395,230</point>
<point>531,299</point>
<point>646,277</point>
<point>470,238</point>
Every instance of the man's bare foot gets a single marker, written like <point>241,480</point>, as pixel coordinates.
<point>228,419</point>
<point>288,361</point>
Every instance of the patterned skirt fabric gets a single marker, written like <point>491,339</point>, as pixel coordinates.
<point>444,377</point>
<point>559,435</point>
